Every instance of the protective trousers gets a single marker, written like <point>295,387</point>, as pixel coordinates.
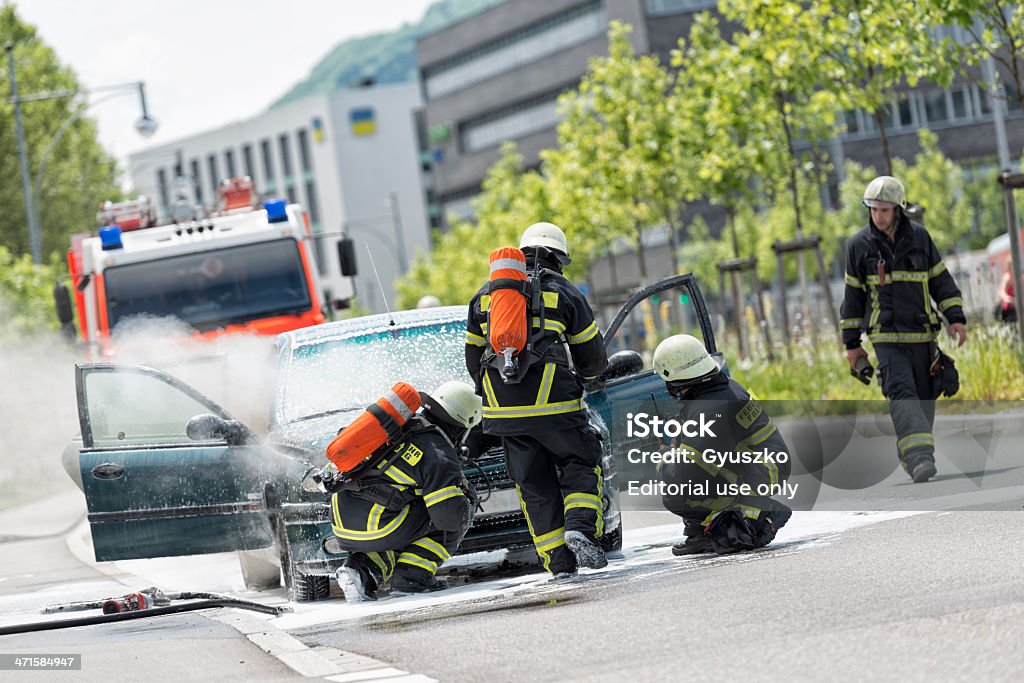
<point>559,480</point>
<point>719,482</point>
<point>414,550</point>
<point>903,372</point>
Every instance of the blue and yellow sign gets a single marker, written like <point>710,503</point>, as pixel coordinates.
<point>363,121</point>
<point>318,130</point>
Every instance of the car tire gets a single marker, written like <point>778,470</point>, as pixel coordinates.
<point>261,569</point>
<point>309,587</point>
<point>612,541</point>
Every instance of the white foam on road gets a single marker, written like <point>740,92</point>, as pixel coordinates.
<point>641,546</point>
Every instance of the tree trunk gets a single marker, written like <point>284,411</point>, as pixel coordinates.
<point>879,120</point>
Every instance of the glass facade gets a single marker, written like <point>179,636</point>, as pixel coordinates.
<point>515,49</point>
<point>513,122</point>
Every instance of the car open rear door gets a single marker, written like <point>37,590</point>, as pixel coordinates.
<point>151,491</point>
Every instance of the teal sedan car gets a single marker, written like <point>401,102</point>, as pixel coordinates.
<point>166,471</point>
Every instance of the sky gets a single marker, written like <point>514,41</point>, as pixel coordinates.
<point>205,63</point>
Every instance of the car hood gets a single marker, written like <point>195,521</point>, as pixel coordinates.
<point>311,436</point>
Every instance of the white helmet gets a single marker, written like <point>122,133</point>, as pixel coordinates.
<point>545,235</point>
<point>683,358</point>
<point>885,192</point>
<point>457,402</point>
<point>428,301</point>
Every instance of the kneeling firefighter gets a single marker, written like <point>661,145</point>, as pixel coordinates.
<point>401,504</point>
<point>736,424</point>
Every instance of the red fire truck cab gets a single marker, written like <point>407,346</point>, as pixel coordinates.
<point>247,269</point>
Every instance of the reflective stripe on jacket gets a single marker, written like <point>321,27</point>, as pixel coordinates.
<point>891,287</point>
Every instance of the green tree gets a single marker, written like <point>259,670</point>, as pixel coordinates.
<point>723,125</point>
<point>616,171</point>
<point>868,47</point>
<point>996,30</point>
<point>79,173</point>
<point>26,300</point>
<point>457,265</point>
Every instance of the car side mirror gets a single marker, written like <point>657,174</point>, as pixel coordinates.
<point>208,426</point>
<point>623,363</point>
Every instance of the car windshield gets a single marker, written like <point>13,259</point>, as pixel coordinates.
<point>348,374</point>
<point>211,289</point>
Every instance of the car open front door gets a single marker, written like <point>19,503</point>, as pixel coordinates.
<point>152,491</point>
<point>671,306</point>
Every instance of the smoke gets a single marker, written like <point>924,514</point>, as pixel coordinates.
<point>38,408</point>
<point>37,415</point>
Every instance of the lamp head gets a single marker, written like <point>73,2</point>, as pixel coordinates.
<point>146,126</point>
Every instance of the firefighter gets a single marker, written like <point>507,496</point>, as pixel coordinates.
<point>718,517</point>
<point>553,454</point>
<point>408,514</point>
<point>893,273</point>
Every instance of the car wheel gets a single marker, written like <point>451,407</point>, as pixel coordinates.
<point>612,541</point>
<point>261,569</point>
<point>309,587</point>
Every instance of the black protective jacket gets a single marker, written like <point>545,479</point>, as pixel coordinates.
<point>550,396</point>
<point>423,471</point>
<point>891,284</point>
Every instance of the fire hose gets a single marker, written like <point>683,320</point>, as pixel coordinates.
<point>148,602</point>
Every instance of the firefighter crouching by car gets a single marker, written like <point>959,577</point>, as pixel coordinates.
<point>403,515</point>
<point>553,454</point>
<point>893,272</point>
<point>720,523</point>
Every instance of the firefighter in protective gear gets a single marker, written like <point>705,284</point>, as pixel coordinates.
<point>714,522</point>
<point>403,518</point>
<point>553,454</point>
<point>894,273</point>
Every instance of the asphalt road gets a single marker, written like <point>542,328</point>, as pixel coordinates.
<point>934,597</point>
<point>41,571</point>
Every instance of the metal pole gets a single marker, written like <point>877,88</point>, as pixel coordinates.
<point>998,114</point>
<point>396,216</point>
<point>1015,254</point>
<point>30,211</point>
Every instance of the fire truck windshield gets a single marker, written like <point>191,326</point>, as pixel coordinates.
<point>211,289</point>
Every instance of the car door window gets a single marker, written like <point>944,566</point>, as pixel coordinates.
<point>133,406</point>
<point>672,306</point>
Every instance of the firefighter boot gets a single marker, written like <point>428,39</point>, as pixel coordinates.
<point>356,580</point>
<point>696,541</point>
<point>405,585</point>
<point>922,470</point>
<point>588,553</point>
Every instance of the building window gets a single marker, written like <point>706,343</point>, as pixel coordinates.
<point>960,103</point>
<point>313,206</point>
<point>229,163</point>
<point>529,44</point>
<point>197,180</point>
<point>514,122</point>
<point>161,183</point>
<point>286,157</point>
<point>659,7</point>
<point>1012,100</point>
<point>211,161</point>
<point>268,166</point>
<point>458,205</point>
<point>905,107</point>
<point>250,170</point>
<point>304,157</point>
<point>935,108</point>
<point>851,122</point>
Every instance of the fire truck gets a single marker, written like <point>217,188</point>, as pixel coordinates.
<point>246,268</point>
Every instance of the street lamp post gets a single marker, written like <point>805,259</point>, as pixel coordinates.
<point>146,126</point>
